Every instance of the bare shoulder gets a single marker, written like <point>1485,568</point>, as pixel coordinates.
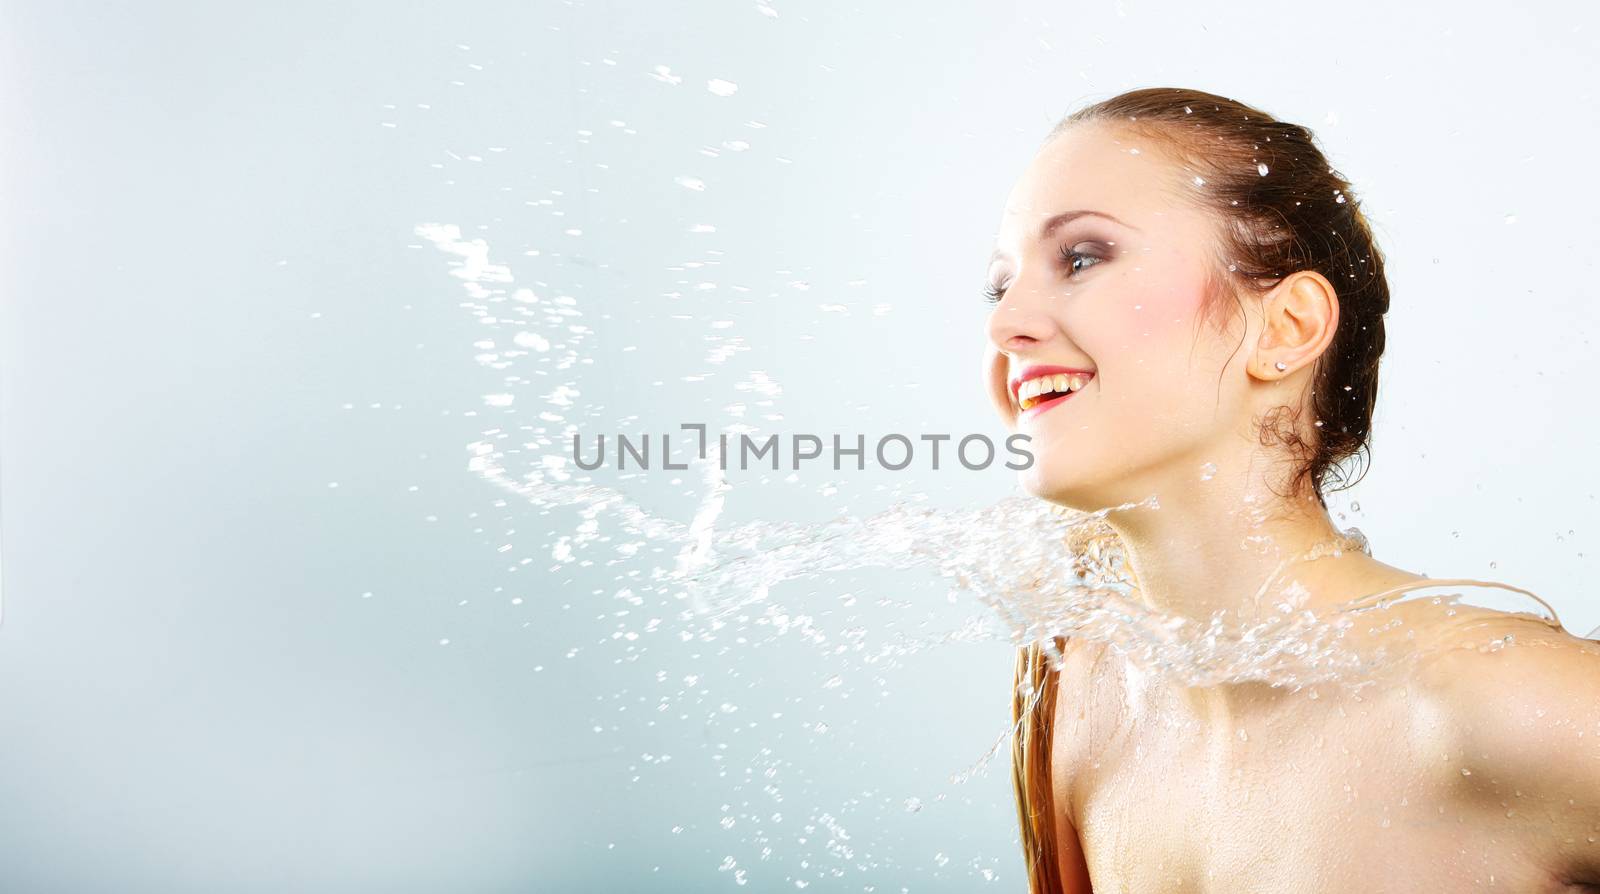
<point>1079,709</point>
<point>1509,666</point>
<point>1088,716</point>
<point>1520,701</point>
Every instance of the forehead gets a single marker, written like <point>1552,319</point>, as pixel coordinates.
<point>1097,167</point>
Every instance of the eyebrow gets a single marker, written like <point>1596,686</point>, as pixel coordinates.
<point>1057,220</point>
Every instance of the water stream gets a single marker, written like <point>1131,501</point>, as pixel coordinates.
<point>1038,570</point>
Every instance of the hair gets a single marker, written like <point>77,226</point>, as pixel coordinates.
<point>1282,209</point>
<point>1033,709</point>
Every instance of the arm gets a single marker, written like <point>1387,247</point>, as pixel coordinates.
<point>1072,866</point>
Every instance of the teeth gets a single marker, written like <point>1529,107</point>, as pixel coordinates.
<point>1028,393</point>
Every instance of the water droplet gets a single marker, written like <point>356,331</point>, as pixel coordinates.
<point>1261,169</point>
<point>664,74</point>
<point>913,805</point>
<point>1208,471</point>
<point>531,340</point>
<point>1465,772</point>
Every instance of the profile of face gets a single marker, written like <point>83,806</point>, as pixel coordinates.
<point>1098,350</point>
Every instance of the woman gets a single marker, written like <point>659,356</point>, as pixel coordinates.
<point>1188,304</point>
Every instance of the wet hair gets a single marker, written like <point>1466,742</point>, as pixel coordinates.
<point>1282,208</point>
<point>1033,710</point>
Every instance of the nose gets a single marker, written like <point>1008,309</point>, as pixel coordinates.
<point>1020,320</point>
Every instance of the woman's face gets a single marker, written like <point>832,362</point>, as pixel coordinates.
<point>1102,267</point>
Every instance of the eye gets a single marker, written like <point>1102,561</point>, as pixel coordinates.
<point>1074,261</point>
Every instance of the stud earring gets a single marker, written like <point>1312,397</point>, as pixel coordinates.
<point>1281,366</point>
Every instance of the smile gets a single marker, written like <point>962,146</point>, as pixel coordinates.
<point>1038,388</point>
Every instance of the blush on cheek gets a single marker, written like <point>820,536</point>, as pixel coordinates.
<point>1161,313</point>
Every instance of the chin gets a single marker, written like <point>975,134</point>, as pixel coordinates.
<point>1063,488</point>
<point>1053,486</point>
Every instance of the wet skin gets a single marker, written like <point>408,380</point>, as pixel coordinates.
<point>1459,770</point>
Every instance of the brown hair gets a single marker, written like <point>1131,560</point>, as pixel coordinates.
<point>1283,209</point>
<point>1033,710</point>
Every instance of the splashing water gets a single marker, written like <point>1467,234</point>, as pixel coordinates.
<point>1040,571</point>
<point>1043,570</point>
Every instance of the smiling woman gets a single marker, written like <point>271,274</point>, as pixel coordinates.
<point>1188,303</point>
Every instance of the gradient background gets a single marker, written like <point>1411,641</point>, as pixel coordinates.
<point>216,307</point>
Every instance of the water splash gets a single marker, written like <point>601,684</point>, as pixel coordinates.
<point>1039,570</point>
<point>1042,570</point>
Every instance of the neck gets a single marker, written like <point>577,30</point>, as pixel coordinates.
<point>1237,550</point>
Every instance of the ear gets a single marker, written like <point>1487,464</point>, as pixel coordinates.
<point>1301,314</point>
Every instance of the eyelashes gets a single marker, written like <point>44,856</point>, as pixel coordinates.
<point>1074,261</point>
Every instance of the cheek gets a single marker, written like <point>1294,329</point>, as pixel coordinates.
<point>995,371</point>
<point>1148,317</point>
<point>1156,356</point>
